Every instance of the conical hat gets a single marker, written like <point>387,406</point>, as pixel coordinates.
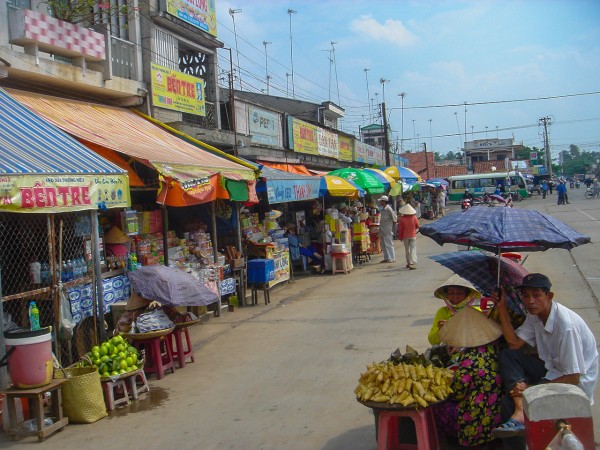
<point>455,280</point>
<point>470,328</point>
<point>116,236</point>
<point>407,210</point>
<point>136,301</point>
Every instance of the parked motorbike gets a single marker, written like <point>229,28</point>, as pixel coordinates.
<point>466,203</point>
<point>589,193</point>
<point>577,184</point>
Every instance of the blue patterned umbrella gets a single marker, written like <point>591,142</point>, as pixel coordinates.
<point>504,229</point>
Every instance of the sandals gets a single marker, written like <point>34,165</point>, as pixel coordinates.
<point>510,428</point>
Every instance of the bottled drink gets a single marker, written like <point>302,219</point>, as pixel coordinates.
<point>64,275</point>
<point>35,272</point>
<point>134,262</point>
<point>34,316</point>
<point>45,273</point>
<point>69,270</point>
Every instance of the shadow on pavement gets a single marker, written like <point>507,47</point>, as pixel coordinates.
<point>358,438</point>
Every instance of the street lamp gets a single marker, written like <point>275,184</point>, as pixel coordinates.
<point>232,12</point>
<point>290,12</point>
<point>265,43</point>
<point>402,95</point>
<point>383,81</point>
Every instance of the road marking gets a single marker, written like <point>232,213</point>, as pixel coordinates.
<point>586,214</point>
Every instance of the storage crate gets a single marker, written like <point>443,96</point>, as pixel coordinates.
<point>261,271</point>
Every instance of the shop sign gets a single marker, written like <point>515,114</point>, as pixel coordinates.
<point>177,91</point>
<point>62,193</point>
<point>280,191</point>
<point>360,151</point>
<point>378,157</point>
<point>264,127</point>
<point>303,136</point>
<point>282,268</point>
<point>328,143</point>
<point>199,13</point>
<point>345,148</point>
<point>185,185</point>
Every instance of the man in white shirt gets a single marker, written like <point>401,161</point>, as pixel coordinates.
<point>565,346</point>
<point>386,229</point>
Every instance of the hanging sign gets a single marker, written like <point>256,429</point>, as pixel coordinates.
<point>280,191</point>
<point>304,136</point>
<point>177,91</point>
<point>328,143</point>
<point>264,126</point>
<point>62,193</point>
<point>345,148</point>
<point>199,13</point>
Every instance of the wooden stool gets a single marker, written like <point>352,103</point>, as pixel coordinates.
<point>343,258</point>
<point>387,430</point>
<point>133,385</point>
<point>158,361</point>
<point>36,398</point>
<point>266,291</point>
<point>182,351</point>
<point>115,393</point>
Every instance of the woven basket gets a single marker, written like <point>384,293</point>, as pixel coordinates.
<point>150,335</point>
<point>82,397</point>
<point>186,324</point>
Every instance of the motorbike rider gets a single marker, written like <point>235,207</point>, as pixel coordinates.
<point>467,199</point>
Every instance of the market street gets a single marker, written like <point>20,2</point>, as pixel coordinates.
<point>282,376</point>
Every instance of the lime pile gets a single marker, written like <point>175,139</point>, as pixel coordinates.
<point>113,357</point>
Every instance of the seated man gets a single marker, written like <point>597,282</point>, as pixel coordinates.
<point>565,347</point>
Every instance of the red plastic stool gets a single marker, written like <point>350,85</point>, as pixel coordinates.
<point>182,351</point>
<point>343,259</point>
<point>387,433</point>
<point>133,384</point>
<point>115,393</point>
<point>157,360</point>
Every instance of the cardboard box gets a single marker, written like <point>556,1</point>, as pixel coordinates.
<point>236,263</point>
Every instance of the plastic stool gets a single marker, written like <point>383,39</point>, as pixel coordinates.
<point>387,433</point>
<point>181,351</point>
<point>112,389</point>
<point>266,291</point>
<point>343,258</point>
<point>133,387</point>
<point>158,361</point>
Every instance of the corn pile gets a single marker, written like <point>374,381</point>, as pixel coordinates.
<point>404,384</point>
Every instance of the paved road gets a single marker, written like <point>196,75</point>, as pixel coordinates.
<point>282,376</point>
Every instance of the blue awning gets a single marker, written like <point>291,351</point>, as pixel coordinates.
<point>43,169</point>
<point>30,144</point>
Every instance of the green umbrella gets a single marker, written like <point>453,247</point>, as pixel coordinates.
<point>361,178</point>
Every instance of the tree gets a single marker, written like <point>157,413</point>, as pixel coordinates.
<point>89,12</point>
<point>437,156</point>
<point>574,151</point>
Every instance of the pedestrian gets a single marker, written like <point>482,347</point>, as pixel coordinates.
<point>343,213</point>
<point>550,186</point>
<point>386,226</point>
<point>456,292</point>
<point>408,225</point>
<point>544,188</point>
<point>441,200</point>
<point>553,345</point>
<point>561,190</point>
<point>595,186</point>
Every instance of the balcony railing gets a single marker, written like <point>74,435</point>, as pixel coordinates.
<point>123,58</point>
<point>207,121</point>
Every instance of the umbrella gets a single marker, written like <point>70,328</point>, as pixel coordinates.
<point>170,286</point>
<point>438,182</point>
<point>404,173</point>
<point>339,187</point>
<point>361,178</point>
<point>383,177</point>
<point>504,229</point>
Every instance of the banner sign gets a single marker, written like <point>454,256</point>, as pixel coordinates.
<point>378,156</point>
<point>282,268</point>
<point>303,136</point>
<point>280,191</point>
<point>199,13</point>
<point>533,155</point>
<point>360,151</point>
<point>345,148</point>
<point>264,127</point>
<point>62,193</point>
<point>328,143</point>
<point>177,91</point>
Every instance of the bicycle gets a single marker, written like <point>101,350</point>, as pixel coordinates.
<point>589,193</point>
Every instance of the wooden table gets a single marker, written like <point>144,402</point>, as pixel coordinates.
<point>36,397</point>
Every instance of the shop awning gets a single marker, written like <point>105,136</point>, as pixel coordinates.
<point>292,168</point>
<point>43,169</point>
<point>289,187</point>
<point>124,131</point>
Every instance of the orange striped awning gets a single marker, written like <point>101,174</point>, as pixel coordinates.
<point>298,169</point>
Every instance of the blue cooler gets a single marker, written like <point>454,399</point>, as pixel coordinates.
<point>261,271</point>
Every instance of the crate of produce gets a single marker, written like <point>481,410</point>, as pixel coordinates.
<point>261,271</point>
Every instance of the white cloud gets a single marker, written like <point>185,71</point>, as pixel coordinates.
<point>391,30</point>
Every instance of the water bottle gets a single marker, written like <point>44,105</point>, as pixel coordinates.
<point>77,269</point>
<point>70,270</point>
<point>34,316</point>
<point>45,273</point>
<point>35,269</point>
<point>82,267</point>
<point>64,275</point>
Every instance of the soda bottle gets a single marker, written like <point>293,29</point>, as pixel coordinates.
<point>34,316</point>
<point>134,262</point>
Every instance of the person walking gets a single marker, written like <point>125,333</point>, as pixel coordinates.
<point>441,200</point>
<point>561,190</point>
<point>553,345</point>
<point>544,188</point>
<point>408,225</point>
<point>386,228</point>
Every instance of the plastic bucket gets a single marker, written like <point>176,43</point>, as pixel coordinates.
<point>29,357</point>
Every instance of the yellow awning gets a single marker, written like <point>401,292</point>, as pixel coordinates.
<point>124,131</point>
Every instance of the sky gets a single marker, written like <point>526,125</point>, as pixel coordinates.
<point>512,63</point>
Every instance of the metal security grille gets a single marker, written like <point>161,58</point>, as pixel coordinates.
<point>39,253</point>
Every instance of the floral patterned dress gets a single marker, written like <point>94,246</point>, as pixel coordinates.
<point>473,410</point>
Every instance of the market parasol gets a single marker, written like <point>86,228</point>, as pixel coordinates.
<point>402,187</point>
<point>170,286</point>
<point>481,270</point>
<point>361,178</point>
<point>385,179</point>
<point>438,182</point>
<point>339,187</point>
<point>504,229</point>
<point>403,173</point>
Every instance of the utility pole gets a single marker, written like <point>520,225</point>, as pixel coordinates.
<point>426,160</point>
<point>368,94</point>
<point>547,121</point>
<point>290,12</point>
<point>265,43</point>
<point>232,104</point>
<point>233,12</point>
<point>386,140</point>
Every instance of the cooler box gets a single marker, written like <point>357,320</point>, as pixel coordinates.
<point>261,271</point>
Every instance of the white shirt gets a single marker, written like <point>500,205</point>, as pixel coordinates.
<point>387,220</point>
<point>565,344</point>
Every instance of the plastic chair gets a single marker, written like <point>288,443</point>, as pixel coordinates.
<point>343,267</point>
<point>182,350</point>
<point>387,430</point>
<point>158,361</point>
<point>115,393</point>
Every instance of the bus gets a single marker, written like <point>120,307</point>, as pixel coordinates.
<point>479,183</point>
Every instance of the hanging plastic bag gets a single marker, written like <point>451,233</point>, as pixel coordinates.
<point>67,323</point>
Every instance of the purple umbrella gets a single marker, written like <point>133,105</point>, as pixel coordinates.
<point>170,286</point>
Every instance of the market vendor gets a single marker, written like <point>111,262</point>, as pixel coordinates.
<point>456,292</point>
<point>472,410</point>
<point>298,249</point>
<point>343,213</point>
<point>116,242</point>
